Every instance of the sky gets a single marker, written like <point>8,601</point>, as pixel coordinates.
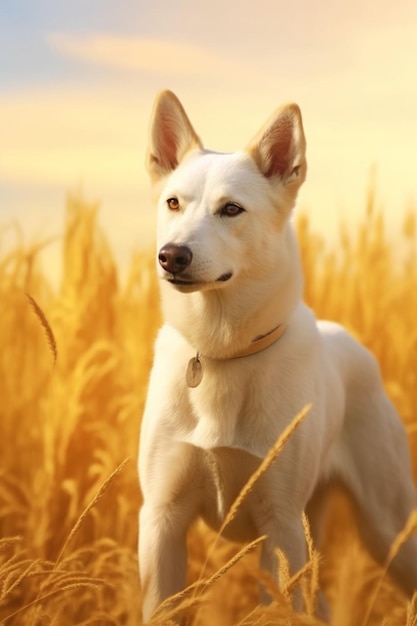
<point>78,80</point>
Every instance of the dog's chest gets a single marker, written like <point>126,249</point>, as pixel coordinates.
<point>229,407</point>
<point>242,403</point>
<point>216,406</point>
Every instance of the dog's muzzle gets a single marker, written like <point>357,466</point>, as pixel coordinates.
<point>175,259</point>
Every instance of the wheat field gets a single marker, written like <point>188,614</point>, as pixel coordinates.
<point>74,367</point>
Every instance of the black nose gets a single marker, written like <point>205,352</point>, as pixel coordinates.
<point>175,259</point>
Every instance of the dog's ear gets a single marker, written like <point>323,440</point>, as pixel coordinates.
<point>171,136</point>
<point>279,147</point>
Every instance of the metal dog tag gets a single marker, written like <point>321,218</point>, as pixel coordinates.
<point>194,374</point>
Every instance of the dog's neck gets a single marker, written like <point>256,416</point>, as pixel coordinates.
<point>219,322</point>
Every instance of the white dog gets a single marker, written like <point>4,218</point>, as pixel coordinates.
<point>240,354</point>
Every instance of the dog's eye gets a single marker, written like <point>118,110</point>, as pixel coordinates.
<point>231,209</point>
<point>173,204</point>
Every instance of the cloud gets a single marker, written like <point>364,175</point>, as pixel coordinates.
<point>136,54</point>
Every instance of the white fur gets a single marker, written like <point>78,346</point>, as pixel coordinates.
<point>199,446</point>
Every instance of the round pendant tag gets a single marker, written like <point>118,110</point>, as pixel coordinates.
<point>194,374</point>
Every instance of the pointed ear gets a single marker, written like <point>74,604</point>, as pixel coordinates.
<point>279,147</point>
<point>171,136</point>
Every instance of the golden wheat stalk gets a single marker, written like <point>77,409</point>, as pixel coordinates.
<point>70,578</point>
<point>284,575</point>
<point>88,508</point>
<point>412,611</point>
<point>399,541</point>
<point>12,581</point>
<point>5,542</point>
<point>312,589</point>
<point>170,616</point>
<point>259,615</point>
<point>201,586</point>
<point>272,455</point>
<point>12,565</point>
<point>71,587</point>
<point>248,619</point>
<point>243,552</point>
<point>270,584</point>
<point>296,579</point>
<point>45,325</point>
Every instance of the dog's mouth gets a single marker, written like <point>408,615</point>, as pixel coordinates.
<point>224,277</point>
<point>189,284</point>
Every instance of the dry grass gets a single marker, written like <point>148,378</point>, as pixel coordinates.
<point>74,368</point>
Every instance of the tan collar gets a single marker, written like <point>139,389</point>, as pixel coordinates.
<point>259,343</point>
<point>194,374</point>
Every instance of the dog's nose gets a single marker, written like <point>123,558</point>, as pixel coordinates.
<point>174,259</point>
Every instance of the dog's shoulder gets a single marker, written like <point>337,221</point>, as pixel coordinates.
<point>355,363</point>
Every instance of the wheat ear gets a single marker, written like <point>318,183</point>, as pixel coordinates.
<point>45,325</point>
<point>314,558</point>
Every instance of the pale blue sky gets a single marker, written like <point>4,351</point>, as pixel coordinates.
<point>77,82</point>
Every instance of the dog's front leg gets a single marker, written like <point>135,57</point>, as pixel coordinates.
<point>171,486</point>
<point>289,538</point>
<point>162,556</point>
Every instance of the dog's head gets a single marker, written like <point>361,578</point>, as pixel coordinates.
<point>219,215</point>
